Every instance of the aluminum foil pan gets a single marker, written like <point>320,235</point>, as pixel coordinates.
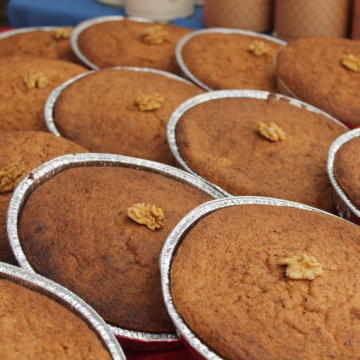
<point>202,351</point>
<point>225,94</point>
<point>51,100</point>
<point>69,300</point>
<point>53,167</point>
<point>9,33</point>
<point>344,206</point>
<point>87,23</point>
<point>183,41</point>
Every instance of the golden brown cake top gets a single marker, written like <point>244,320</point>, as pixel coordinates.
<point>132,43</point>
<point>20,152</point>
<point>221,140</point>
<point>25,84</point>
<point>232,61</point>
<point>33,326</point>
<point>122,112</point>
<point>347,169</point>
<point>320,72</point>
<point>83,230</point>
<point>53,44</point>
<point>230,284</point>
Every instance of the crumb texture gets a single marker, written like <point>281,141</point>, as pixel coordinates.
<point>232,61</point>
<point>35,327</point>
<point>228,286</point>
<point>21,104</point>
<point>121,43</point>
<point>45,44</point>
<point>95,249</point>
<point>313,69</point>
<point>347,169</point>
<point>219,141</point>
<point>85,116</point>
<point>27,149</point>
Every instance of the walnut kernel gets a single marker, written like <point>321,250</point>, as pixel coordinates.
<point>271,131</point>
<point>351,62</point>
<point>155,35</point>
<point>302,267</point>
<point>10,176</point>
<point>35,79</point>
<point>149,102</point>
<point>63,33</point>
<point>147,214</point>
<point>259,48</point>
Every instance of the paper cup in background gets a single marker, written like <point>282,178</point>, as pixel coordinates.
<point>160,10</point>
<point>255,15</point>
<point>307,18</point>
<point>116,3</point>
<point>356,20</point>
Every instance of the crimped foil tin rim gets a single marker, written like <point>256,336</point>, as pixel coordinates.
<point>90,22</point>
<point>9,33</point>
<point>174,240</point>
<point>57,165</point>
<point>75,304</point>
<point>185,39</point>
<point>225,94</point>
<point>54,95</point>
<point>335,146</point>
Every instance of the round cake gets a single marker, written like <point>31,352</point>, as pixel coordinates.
<point>324,72</point>
<point>270,282</point>
<point>97,113</point>
<point>21,152</point>
<point>99,230</point>
<point>347,169</point>
<point>231,61</point>
<point>50,44</point>
<point>131,43</point>
<point>34,326</point>
<point>264,147</point>
<point>25,84</point>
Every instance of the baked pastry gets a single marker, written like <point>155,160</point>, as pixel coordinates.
<point>34,326</point>
<point>260,147</point>
<point>347,169</point>
<point>101,237</point>
<point>50,44</point>
<point>22,151</point>
<point>97,113</point>
<point>25,84</point>
<point>270,282</point>
<point>231,60</point>
<point>131,43</point>
<point>323,72</point>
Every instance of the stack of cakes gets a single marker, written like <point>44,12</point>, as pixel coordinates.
<point>90,194</point>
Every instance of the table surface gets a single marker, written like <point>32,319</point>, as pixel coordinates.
<point>25,13</point>
<point>29,13</point>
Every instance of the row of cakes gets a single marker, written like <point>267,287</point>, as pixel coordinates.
<point>102,201</point>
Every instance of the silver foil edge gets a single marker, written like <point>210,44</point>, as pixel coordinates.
<point>225,94</point>
<point>87,23</point>
<point>174,240</point>
<point>57,165</point>
<point>185,39</point>
<point>335,146</point>
<point>50,103</point>
<point>68,299</point>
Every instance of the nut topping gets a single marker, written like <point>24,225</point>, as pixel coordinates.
<point>259,48</point>
<point>10,176</point>
<point>155,35</point>
<point>147,214</point>
<point>35,79</point>
<point>63,33</point>
<point>149,102</point>
<point>351,62</point>
<point>302,267</point>
<point>271,131</point>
